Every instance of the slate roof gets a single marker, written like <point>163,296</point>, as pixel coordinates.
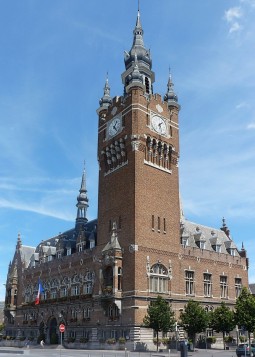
<point>210,236</point>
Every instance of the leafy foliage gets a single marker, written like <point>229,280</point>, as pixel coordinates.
<point>160,316</point>
<point>245,312</point>
<point>194,319</point>
<point>222,319</point>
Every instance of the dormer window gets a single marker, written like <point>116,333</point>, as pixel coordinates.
<point>201,244</point>
<point>217,248</point>
<point>232,252</point>
<point>80,248</point>
<point>68,251</point>
<point>185,241</point>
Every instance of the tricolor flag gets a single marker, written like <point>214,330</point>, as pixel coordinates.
<point>40,291</point>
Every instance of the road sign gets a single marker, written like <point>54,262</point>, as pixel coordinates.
<point>62,328</point>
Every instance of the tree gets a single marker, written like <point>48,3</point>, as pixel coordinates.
<point>245,312</point>
<point>194,319</point>
<point>222,319</point>
<point>160,316</point>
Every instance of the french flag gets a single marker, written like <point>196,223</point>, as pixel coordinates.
<point>40,291</point>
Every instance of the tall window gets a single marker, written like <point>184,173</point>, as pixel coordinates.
<point>158,279</point>
<point>190,283</point>
<point>88,288</point>
<point>223,287</point>
<point>86,313</point>
<point>75,290</point>
<point>152,222</point>
<point>207,284</point>
<point>238,286</point>
<point>119,278</point>
<point>63,292</point>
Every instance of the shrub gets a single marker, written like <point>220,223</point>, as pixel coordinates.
<point>211,339</point>
<point>243,338</point>
<point>228,338</point>
<point>122,340</point>
<point>84,340</point>
<point>165,341</point>
<point>111,341</point>
<point>155,341</point>
<point>70,339</point>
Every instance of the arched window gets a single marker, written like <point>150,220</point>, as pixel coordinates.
<point>158,279</point>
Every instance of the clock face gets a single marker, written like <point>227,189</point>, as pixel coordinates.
<point>158,124</point>
<point>114,127</point>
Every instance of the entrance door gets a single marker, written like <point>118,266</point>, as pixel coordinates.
<point>53,332</point>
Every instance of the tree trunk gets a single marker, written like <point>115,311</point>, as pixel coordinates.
<point>224,344</point>
<point>157,341</point>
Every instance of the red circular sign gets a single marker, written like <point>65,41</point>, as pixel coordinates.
<point>62,328</point>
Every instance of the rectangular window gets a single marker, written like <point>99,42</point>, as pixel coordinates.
<point>207,284</point>
<point>238,286</point>
<point>158,224</point>
<point>68,251</point>
<point>185,242</point>
<point>53,294</point>
<point>75,290</point>
<point>164,222</point>
<point>88,288</point>
<point>202,245</point>
<point>152,222</point>
<point>63,292</point>
<point>59,255</point>
<point>189,281</point>
<point>223,287</point>
<point>80,248</point>
<point>218,248</point>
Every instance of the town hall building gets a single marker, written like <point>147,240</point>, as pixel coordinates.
<point>99,277</point>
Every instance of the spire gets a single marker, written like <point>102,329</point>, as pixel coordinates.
<point>225,229</point>
<point>170,97</point>
<point>19,243</point>
<point>106,99</point>
<point>114,242</point>
<point>82,201</point>
<point>144,61</point>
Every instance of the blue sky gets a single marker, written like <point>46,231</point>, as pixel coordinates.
<point>54,56</point>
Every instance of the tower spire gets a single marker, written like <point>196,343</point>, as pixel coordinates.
<point>82,202</point>
<point>140,56</point>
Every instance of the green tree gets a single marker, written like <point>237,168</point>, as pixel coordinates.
<point>194,319</point>
<point>222,319</point>
<point>245,312</point>
<point>160,316</point>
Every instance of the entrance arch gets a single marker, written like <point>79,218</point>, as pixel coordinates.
<point>53,332</point>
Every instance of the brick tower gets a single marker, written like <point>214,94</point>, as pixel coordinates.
<point>138,150</point>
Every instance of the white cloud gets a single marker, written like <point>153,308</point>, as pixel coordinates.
<point>232,14</point>
<point>235,27</point>
<point>251,126</point>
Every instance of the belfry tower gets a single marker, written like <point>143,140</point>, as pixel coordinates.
<point>138,151</point>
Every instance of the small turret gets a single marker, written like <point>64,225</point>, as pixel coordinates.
<point>170,96</point>
<point>82,203</point>
<point>106,99</point>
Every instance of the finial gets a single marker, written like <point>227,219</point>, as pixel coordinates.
<point>138,5</point>
<point>224,222</point>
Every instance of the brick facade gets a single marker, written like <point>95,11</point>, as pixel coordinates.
<point>100,276</point>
